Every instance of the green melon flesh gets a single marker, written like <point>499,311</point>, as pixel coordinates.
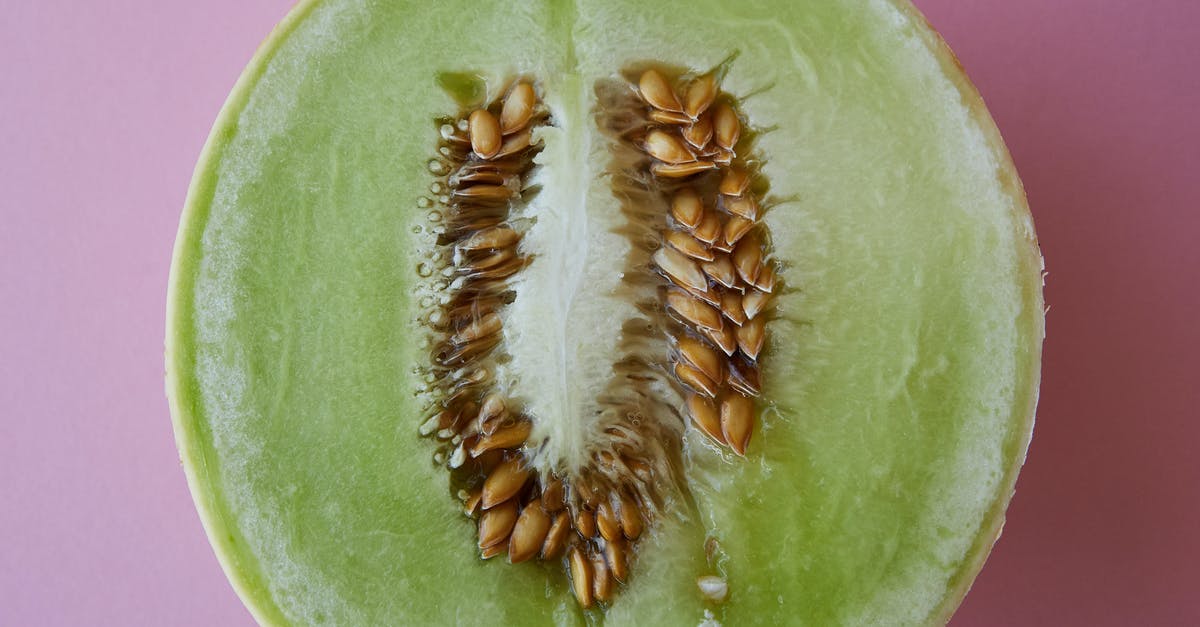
<point>903,369</point>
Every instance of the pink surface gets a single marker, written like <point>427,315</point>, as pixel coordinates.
<point>104,107</point>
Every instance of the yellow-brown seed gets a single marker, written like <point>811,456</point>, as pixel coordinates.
<point>754,302</point>
<point>669,171</point>
<point>602,582</point>
<point>744,206</point>
<point>581,577</point>
<point>688,245</point>
<point>495,237</point>
<point>699,355</point>
<point>491,413</point>
<point>485,133</point>
<point>700,94</point>
<point>720,269</point>
<point>471,505</point>
<point>556,537</point>
<point>680,268</point>
<point>727,128</point>
<point>616,555</point>
<point>724,337</point>
<point>750,337</point>
<point>669,117</point>
<point>515,143</point>
<point>731,307</point>
<point>518,108</point>
<point>529,533</point>
<point>701,315</point>
<point>747,258</point>
<point>607,522</point>
<point>766,278</point>
<point>482,326</point>
<point>736,228</point>
<point>657,92</point>
<point>737,421</point>
<point>709,228</point>
<point>686,207</point>
<point>699,133</point>
<point>585,523</point>
<point>504,482</point>
<point>508,437</point>
<point>695,379</point>
<point>553,495</point>
<point>706,417</point>
<point>631,518</point>
<point>667,148</point>
<point>495,524</point>
<point>493,551</point>
<point>735,181</point>
<point>485,192</point>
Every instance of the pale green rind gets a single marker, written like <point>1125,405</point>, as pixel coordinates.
<point>905,394</point>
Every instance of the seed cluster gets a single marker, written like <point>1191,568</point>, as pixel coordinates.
<point>713,251</point>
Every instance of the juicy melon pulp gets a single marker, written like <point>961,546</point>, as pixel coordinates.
<point>903,362</point>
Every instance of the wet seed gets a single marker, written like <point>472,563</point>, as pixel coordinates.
<point>631,518</point>
<point>657,92</point>
<point>504,483</point>
<point>706,417</point>
<point>727,128</point>
<point>602,582</point>
<point>680,269</point>
<point>744,206</point>
<point>724,337</point>
<point>689,245</point>
<point>669,171</point>
<point>736,228</point>
<point>556,537</point>
<point>496,524</point>
<point>508,437</point>
<point>735,181</point>
<point>695,379</point>
<point>518,108</point>
<point>720,269</point>
<point>553,495</point>
<point>699,355</point>
<point>581,577</point>
<point>615,554</point>
<point>737,421</point>
<point>709,228</point>
<point>585,523</point>
<point>686,208</point>
<point>529,533</point>
<point>485,133</point>
<point>699,133</point>
<point>766,278</point>
<point>607,522</point>
<point>731,307</point>
<point>754,302</point>
<point>669,117</point>
<point>667,148</point>
<point>483,326</point>
<point>496,237</point>
<point>702,315</point>
<point>700,94</point>
<point>750,337</point>
<point>747,258</point>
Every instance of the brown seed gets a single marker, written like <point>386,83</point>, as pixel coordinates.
<point>669,171</point>
<point>657,92</point>
<point>504,483</point>
<point>631,518</point>
<point>491,413</point>
<point>669,117</point>
<point>727,128</point>
<point>607,522</point>
<point>689,245</point>
<point>479,327</point>
<point>585,523</point>
<point>529,533</point>
<point>750,337</point>
<point>708,296</point>
<point>737,421</point>
<point>518,108</point>
<point>709,228</point>
<point>477,177</point>
<point>699,355</point>
<point>686,207</point>
<point>485,133</point>
<point>695,379</point>
<point>699,314</point>
<point>553,495</point>
<point>747,258</point>
<point>485,192</point>
<point>515,143</point>
<point>667,148</point>
<point>493,551</point>
<point>744,206</point>
<point>492,260</point>
<point>556,537</point>
<point>507,269</point>
<point>706,417</point>
<point>680,269</point>
<point>724,337</point>
<point>699,133</point>
<point>731,307</point>
<point>720,269</point>
<point>495,524</point>
<point>754,302</point>
<point>581,577</point>
<point>735,181</point>
<point>736,228</point>
<point>616,555</point>
<point>509,437</point>
<point>495,237</point>
<point>700,94</point>
<point>471,505</point>
<point>743,376</point>
<point>602,582</point>
<point>766,278</point>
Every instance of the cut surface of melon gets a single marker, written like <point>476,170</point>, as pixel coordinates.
<point>903,364</point>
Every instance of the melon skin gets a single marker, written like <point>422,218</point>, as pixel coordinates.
<point>879,481</point>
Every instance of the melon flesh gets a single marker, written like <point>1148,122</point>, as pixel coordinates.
<point>902,370</point>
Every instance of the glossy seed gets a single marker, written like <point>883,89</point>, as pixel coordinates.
<point>747,258</point>
<point>492,260</point>
<point>736,228</point>
<point>744,206</point>
<point>735,181</point>
<point>695,379</point>
<point>669,117</point>
<point>700,94</point>
<point>518,108</point>
<point>491,413</point>
<point>585,523</point>
<point>482,326</point>
<point>699,355</point>
<point>699,133</point>
<point>495,237</point>
<point>686,207</point>
<point>706,417</point>
<point>515,143</point>
<point>731,308</point>
<point>743,376</point>
<point>495,524</point>
<point>485,133</point>
<point>750,337</point>
<point>478,177</point>
<point>493,551</point>
<point>657,92</point>
<point>529,533</point>
<point>616,555</point>
<point>680,268</point>
<point>689,245</point>
<point>726,126</point>
<point>737,421</point>
<point>720,269</point>
<point>669,171</point>
<point>553,495</point>
<point>508,437</point>
<point>471,505</point>
<point>602,582</point>
<point>485,192</point>
<point>766,278</point>
<point>700,314</point>
<point>709,228</point>
<point>504,482</point>
<point>556,537</point>
<point>667,148</point>
<point>606,521</point>
<point>724,337</point>
<point>631,518</point>
<point>581,577</point>
<point>754,302</point>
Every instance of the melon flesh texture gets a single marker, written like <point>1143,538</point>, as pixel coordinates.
<point>902,370</point>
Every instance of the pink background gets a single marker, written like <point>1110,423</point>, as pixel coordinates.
<point>104,107</point>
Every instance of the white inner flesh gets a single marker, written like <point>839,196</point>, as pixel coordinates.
<point>562,330</point>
